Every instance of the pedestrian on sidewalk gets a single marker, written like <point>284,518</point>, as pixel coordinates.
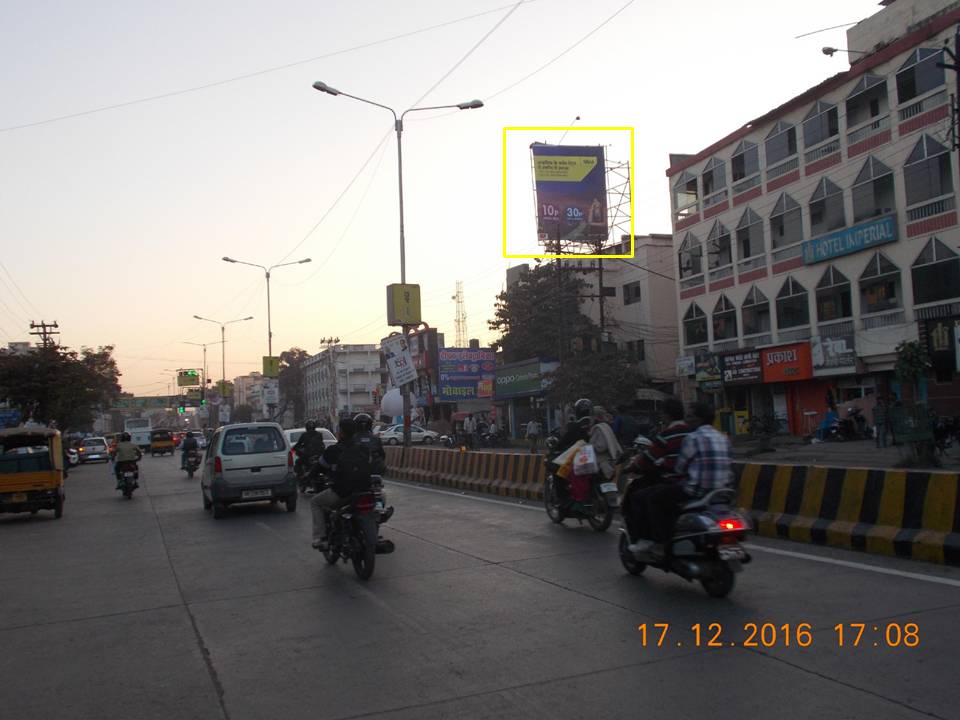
<point>533,435</point>
<point>469,428</point>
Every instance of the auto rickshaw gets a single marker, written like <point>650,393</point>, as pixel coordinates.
<point>31,470</point>
<point>161,442</point>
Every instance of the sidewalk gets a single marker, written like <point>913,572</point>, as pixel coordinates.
<point>853,453</point>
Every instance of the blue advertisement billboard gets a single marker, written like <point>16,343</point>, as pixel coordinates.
<point>465,374</point>
<point>571,189</point>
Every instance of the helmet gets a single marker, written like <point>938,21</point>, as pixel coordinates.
<point>310,425</point>
<point>125,437</point>
<point>582,408</point>
<point>363,422</point>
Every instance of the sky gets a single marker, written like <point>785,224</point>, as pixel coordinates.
<point>114,222</point>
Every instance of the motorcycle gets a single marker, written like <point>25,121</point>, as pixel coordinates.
<point>310,474</point>
<point>705,545</point>
<point>352,530</point>
<point>128,473</point>
<point>448,441</point>
<point>192,463</point>
<point>597,508</point>
<point>853,426</point>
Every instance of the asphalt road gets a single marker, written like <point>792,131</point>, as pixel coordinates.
<point>151,609</point>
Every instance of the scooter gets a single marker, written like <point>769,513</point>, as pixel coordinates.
<point>128,473</point>
<point>193,463</point>
<point>705,546</point>
<point>597,508</point>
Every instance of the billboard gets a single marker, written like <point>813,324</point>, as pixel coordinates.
<point>787,363</point>
<point>188,378</point>
<point>708,374</point>
<point>741,368</point>
<point>571,187</point>
<point>521,379</point>
<point>833,356</point>
<point>466,374</point>
<point>396,350</point>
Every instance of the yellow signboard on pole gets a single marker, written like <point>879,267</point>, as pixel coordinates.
<point>271,367</point>
<point>403,304</point>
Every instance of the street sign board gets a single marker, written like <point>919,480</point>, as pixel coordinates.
<point>158,402</point>
<point>399,363</point>
<point>271,392</point>
<point>188,378</point>
<point>403,304</point>
<point>271,366</point>
<point>224,413</point>
<point>194,394</point>
<point>225,388</point>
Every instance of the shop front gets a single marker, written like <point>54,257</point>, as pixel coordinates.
<point>800,399</point>
<point>519,395</point>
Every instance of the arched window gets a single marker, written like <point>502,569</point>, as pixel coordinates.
<point>935,274</point>
<point>691,257</point>
<point>867,100</point>
<point>714,177</point>
<point>719,253</point>
<point>755,312</point>
<point>781,143</point>
<point>919,74</point>
<point>833,296</point>
<point>694,326</point>
<point>826,208</point>
<point>873,191</point>
<point>879,285</point>
<point>786,222</point>
<point>724,320</point>
<point>926,173</point>
<point>820,124</point>
<point>750,235</point>
<point>745,161</point>
<point>793,309</point>
<point>685,196</point>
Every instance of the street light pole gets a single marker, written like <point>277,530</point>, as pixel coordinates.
<point>398,126</point>
<point>223,353</point>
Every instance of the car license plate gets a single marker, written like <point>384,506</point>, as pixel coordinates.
<point>18,497</point>
<point>608,487</point>
<point>730,553</point>
<point>246,494</point>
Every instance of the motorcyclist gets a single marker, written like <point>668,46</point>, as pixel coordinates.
<point>309,445</point>
<point>577,429</point>
<point>364,436</point>
<point>127,453</point>
<point>188,443</point>
<point>345,483</point>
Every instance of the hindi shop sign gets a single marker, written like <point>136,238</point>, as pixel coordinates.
<point>465,374</point>
<point>396,350</point>
<point>741,368</point>
<point>832,356</point>
<point>851,240</point>
<point>787,363</point>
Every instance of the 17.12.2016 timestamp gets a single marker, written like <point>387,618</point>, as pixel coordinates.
<point>770,635</point>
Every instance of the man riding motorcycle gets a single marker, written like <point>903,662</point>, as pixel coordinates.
<point>365,438</point>
<point>351,465</point>
<point>577,429</point>
<point>309,445</point>
<point>188,443</point>
<point>127,453</point>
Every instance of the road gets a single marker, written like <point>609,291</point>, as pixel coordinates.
<point>151,609</point>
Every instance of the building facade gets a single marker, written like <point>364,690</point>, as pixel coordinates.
<point>248,390</point>
<point>342,380</point>
<point>814,239</point>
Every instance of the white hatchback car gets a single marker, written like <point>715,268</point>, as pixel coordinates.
<point>293,435</point>
<point>248,463</point>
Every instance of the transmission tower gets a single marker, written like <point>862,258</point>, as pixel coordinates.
<point>45,331</point>
<point>461,321</point>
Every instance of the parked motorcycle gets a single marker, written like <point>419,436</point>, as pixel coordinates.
<point>597,508</point>
<point>448,441</point>
<point>128,473</point>
<point>352,530</point>
<point>192,463</point>
<point>705,545</point>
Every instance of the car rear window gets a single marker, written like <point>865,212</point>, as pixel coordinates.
<point>95,443</point>
<point>251,441</point>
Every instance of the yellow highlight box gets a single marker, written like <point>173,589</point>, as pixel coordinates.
<point>548,128</point>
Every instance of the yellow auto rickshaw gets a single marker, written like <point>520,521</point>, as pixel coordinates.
<point>161,442</point>
<point>31,470</point>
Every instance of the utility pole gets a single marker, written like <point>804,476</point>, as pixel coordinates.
<point>45,331</point>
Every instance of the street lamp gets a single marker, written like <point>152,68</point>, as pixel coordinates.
<point>223,341</point>
<point>203,391</point>
<point>398,126</point>
<point>829,51</point>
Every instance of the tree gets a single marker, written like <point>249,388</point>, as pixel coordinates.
<point>291,383</point>
<point>609,379</point>
<point>242,414</point>
<point>912,362</point>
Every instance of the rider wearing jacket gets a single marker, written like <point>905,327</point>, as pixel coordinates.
<point>309,445</point>
<point>127,454</point>
<point>344,484</point>
<point>188,443</point>
<point>365,438</point>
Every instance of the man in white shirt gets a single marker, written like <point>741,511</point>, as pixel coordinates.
<point>533,435</point>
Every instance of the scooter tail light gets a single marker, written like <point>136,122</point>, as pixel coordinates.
<point>731,524</point>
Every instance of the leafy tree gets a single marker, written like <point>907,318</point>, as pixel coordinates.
<point>242,414</point>
<point>609,379</point>
<point>912,362</point>
<point>291,383</point>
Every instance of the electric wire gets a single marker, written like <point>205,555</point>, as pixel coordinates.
<point>19,290</point>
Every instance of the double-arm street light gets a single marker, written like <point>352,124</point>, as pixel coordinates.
<point>223,341</point>
<point>398,127</point>
<point>203,384</point>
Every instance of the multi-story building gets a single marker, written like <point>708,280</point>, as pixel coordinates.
<point>248,390</point>
<point>342,379</point>
<point>814,239</point>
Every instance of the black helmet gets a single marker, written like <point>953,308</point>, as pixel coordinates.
<point>310,425</point>
<point>125,437</point>
<point>582,408</point>
<point>363,422</point>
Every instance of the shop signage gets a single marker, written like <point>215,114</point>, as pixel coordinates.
<point>786,363</point>
<point>851,240</point>
<point>833,355</point>
<point>466,374</point>
<point>708,372</point>
<point>741,368</point>
<point>396,350</point>
<point>943,345</point>
<point>521,379</point>
<point>686,366</point>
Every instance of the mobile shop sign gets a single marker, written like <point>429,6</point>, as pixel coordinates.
<point>399,363</point>
<point>850,240</point>
<point>466,374</point>
<point>741,368</point>
<point>571,187</point>
<point>787,363</point>
<point>833,354</point>
<point>520,380</point>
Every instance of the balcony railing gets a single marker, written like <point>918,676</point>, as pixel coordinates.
<point>835,329</point>
<point>721,273</point>
<point>752,341</point>
<point>869,130</point>
<point>724,345</point>
<point>895,317</point>
<point>783,168</point>
<point>692,282</point>
<point>785,253</point>
<point>928,103</point>
<point>715,199</point>
<point>747,184</point>
<point>818,153</point>
<point>794,335</point>
<point>753,263</point>
<point>935,207</point>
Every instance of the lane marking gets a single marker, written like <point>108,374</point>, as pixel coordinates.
<point>774,551</point>
<point>857,566</point>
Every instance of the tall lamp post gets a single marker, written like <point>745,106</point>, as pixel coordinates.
<point>398,126</point>
<point>223,349</point>
<point>203,383</point>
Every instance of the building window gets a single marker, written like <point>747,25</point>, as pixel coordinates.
<point>781,143</point>
<point>786,222</point>
<point>719,253</point>
<point>695,326</point>
<point>714,177</point>
<point>879,285</point>
<point>926,174</point>
<point>919,74</point>
<point>691,257</point>
<point>750,235</point>
<point>631,293</point>
<point>833,296</point>
<point>724,320</point>
<point>636,350</point>
<point>685,197</point>
<point>792,307</point>
<point>745,161</point>
<point>867,100</point>
<point>826,208</point>
<point>756,313</point>
<point>820,124</point>
<point>873,191</point>
<point>936,274</point>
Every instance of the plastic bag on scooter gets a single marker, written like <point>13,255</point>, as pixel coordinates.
<point>564,461</point>
<point>585,461</point>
